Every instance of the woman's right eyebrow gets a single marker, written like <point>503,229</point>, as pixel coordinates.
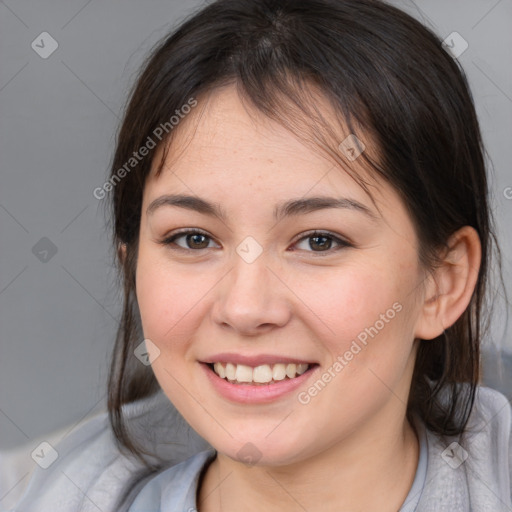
<point>193,203</point>
<point>299,206</point>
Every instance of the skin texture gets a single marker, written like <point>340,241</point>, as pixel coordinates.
<point>351,445</point>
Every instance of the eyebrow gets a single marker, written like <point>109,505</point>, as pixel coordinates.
<point>289,208</point>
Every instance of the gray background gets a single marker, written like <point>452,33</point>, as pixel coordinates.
<point>58,120</point>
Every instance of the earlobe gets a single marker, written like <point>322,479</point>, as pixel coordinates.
<point>450,287</point>
<point>121,252</point>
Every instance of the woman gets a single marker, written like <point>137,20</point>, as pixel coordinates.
<point>301,217</point>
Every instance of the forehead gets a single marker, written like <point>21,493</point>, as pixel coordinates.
<point>223,126</point>
<point>226,144</point>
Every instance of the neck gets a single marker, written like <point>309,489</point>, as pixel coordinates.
<point>354,474</point>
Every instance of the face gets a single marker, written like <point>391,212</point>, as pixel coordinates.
<point>278,337</point>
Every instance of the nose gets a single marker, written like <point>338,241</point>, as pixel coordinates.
<point>252,299</point>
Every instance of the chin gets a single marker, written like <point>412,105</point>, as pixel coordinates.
<point>260,451</point>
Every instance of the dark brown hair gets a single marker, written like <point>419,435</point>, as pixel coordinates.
<point>390,80</point>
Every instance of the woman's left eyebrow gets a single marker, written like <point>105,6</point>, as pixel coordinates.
<point>289,208</point>
<point>310,204</point>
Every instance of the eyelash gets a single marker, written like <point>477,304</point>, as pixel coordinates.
<point>342,244</point>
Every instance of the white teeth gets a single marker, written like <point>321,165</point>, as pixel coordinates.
<point>243,373</point>
<point>219,370</point>
<point>291,370</point>
<point>279,371</point>
<point>301,368</point>
<point>230,371</point>
<point>263,374</point>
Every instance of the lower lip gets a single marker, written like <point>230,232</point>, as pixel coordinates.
<point>256,394</point>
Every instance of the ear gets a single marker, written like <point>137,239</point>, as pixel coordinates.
<point>448,290</point>
<point>121,252</point>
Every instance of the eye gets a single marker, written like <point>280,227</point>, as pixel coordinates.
<point>321,241</point>
<point>196,240</point>
<point>193,239</point>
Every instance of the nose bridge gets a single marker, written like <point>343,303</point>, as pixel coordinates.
<point>251,297</point>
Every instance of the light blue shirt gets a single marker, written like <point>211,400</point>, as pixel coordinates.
<point>468,473</point>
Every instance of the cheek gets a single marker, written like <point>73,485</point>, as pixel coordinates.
<point>346,301</point>
<point>171,303</point>
<point>169,300</point>
<point>367,314</point>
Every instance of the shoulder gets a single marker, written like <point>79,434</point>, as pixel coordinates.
<point>90,472</point>
<point>175,488</point>
<point>492,406</point>
<point>472,471</point>
<point>489,444</point>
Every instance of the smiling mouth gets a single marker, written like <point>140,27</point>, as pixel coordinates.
<point>259,375</point>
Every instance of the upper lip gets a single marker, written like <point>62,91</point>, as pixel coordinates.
<point>255,360</point>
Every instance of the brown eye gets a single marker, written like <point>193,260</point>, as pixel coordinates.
<point>196,241</point>
<point>322,242</point>
<point>193,240</point>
